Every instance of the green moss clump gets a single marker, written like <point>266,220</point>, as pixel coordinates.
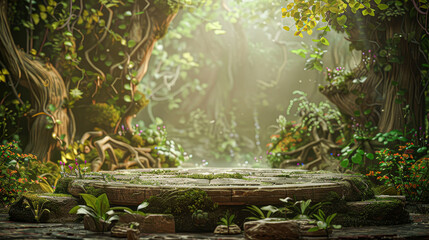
<point>101,115</point>
<point>361,189</point>
<point>121,138</point>
<point>62,185</point>
<point>182,201</point>
<point>137,141</point>
<point>168,7</point>
<point>375,212</point>
<point>212,176</point>
<point>94,191</point>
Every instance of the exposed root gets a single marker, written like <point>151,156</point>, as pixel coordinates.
<point>132,155</point>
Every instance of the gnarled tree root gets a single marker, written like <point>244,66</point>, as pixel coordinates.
<point>139,156</point>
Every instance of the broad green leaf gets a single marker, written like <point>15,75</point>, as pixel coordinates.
<point>142,205</point>
<point>382,6</point>
<point>36,18</point>
<point>342,20</point>
<point>89,200</point>
<point>102,205</point>
<point>422,150</point>
<point>127,98</point>
<point>357,158</point>
<point>131,43</point>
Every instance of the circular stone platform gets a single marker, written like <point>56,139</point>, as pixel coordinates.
<point>225,186</point>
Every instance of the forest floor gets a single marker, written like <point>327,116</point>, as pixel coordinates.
<point>225,186</point>
<point>419,229</point>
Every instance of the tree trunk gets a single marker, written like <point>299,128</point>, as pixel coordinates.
<point>385,93</point>
<point>46,88</point>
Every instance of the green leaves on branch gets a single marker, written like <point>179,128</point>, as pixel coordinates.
<point>307,13</point>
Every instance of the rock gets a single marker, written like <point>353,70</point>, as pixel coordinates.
<point>93,225</point>
<point>151,223</point>
<point>267,229</point>
<point>223,229</point>
<point>373,212</point>
<point>59,206</point>
<point>122,231</point>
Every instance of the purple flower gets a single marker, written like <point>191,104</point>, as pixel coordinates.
<point>71,167</point>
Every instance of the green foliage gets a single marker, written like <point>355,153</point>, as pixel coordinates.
<point>49,186</point>
<point>14,177</point>
<point>404,166</point>
<point>321,117</point>
<point>295,209</point>
<point>10,113</point>
<point>227,220</point>
<point>301,209</point>
<point>258,213</point>
<point>155,136</point>
<point>97,208</point>
<point>181,202</point>
<point>324,222</point>
<point>307,13</point>
<point>315,58</point>
<point>130,211</point>
<point>101,115</point>
<point>200,218</point>
<point>36,208</point>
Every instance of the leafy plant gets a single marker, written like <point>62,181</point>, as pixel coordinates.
<point>295,209</point>
<point>324,222</point>
<point>98,208</point>
<point>227,220</point>
<point>258,213</point>
<point>404,167</point>
<point>200,218</point>
<point>14,177</point>
<point>301,209</point>
<point>130,211</point>
<point>46,186</point>
<point>36,208</point>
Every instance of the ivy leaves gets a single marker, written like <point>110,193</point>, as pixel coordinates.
<point>307,13</point>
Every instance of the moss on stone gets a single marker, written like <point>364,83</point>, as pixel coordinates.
<point>56,195</point>
<point>181,203</point>
<point>212,176</point>
<point>94,191</point>
<point>58,205</point>
<point>374,212</point>
<point>361,189</point>
<point>62,185</point>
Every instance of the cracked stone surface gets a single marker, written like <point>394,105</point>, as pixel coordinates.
<point>238,186</point>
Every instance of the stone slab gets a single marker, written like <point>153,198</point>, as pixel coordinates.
<point>225,186</point>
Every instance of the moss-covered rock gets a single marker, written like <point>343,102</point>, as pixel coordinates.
<point>372,212</point>
<point>360,189</point>
<point>62,185</point>
<point>58,205</point>
<point>182,203</point>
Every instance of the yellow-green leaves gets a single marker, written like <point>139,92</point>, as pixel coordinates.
<point>307,13</point>
<point>342,20</point>
<point>382,6</point>
<point>3,74</point>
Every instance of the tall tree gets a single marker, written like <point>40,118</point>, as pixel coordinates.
<point>388,87</point>
<point>92,51</point>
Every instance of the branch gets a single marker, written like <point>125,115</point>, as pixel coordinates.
<point>109,22</point>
